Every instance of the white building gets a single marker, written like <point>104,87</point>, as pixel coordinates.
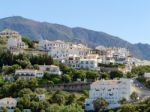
<point>50,68</point>
<point>14,39</point>
<point>73,61</point>
<point>147,75</point>
<point>14,43</point>
<point>9,33</point>
<point>8,103</point>
<point>113,55</point>
<point>120,58</point>
<point>111,90</point>
<point>59,49</point>
<point>44,45</point>
<point>29,73</point>
<point>88,62</point>
<point>108,60</point>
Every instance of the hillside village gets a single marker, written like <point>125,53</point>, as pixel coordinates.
<point>60,73</point>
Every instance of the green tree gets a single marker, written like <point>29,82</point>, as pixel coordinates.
<point>28,41</point>
<point>52,77</point>
<point>10,69</point>
<point>128,108</point>
<point>100,104</point>
<point>54,108</point>
<point>41,59</point>
<point>34,106</point>
<point>6,58</point>
<point>123,101</point>
<point>58,98</point>
<point>105,76</point>
<point>79,74</point>
<point>140,70</point>
<point>62,108</point>
<point>66,78</point>
<point>72,108</point>
<point>24,63</point>
<point>92,75</point>
<point>25,102</point>
<point>25,91</point>
<point>6,90</point>
<point>70,99</point>
<point>33,83</point>
<point>36,66</point>
<point>4,109</point>
<point>40,90</point>
<point>134,96</point>
<point>17,110</point>
<point>116,74</point>
<point>64,68</point>
<point>129,75</point>
<point>43,105</point>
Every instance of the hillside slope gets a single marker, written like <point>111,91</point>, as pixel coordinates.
<point>43,30</point>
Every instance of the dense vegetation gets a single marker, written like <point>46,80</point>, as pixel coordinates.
<point>28,42</point>
<point>139,73</point>
<point>9,63</point>
<point>62,101</point>
<point>143,106</point>
<point>27,91</point>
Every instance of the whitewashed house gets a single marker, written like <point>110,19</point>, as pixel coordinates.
<point>28,73</point>
<point>8,103</point>
<point>73,61</point>
<point>90,61</point>
<point>50,68</point>
<point>147,75</point>
<point>44,45</point>
<point>113,55</point>
<point>59,49</point>
<point>14,43</point>
<point>9,33</point>
<point>14,39</point>
<point>87,62</point>
<point>111,90</point>
<point>69,50</point>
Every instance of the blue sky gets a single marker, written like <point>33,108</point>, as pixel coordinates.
<point>127,19</point>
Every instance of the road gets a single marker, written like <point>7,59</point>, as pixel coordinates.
<point>140,88</point>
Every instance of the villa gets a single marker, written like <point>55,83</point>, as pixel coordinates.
<point>8,103</point>
<point>111,90</point>
<point>60,50</point>
<point>50,69</point>
<point>29,73</point>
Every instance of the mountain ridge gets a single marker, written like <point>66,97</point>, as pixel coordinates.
<point>51,31</point>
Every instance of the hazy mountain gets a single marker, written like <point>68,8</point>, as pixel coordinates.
<point>43,30</point>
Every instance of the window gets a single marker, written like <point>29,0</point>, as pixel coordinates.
<point>87,104</point>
